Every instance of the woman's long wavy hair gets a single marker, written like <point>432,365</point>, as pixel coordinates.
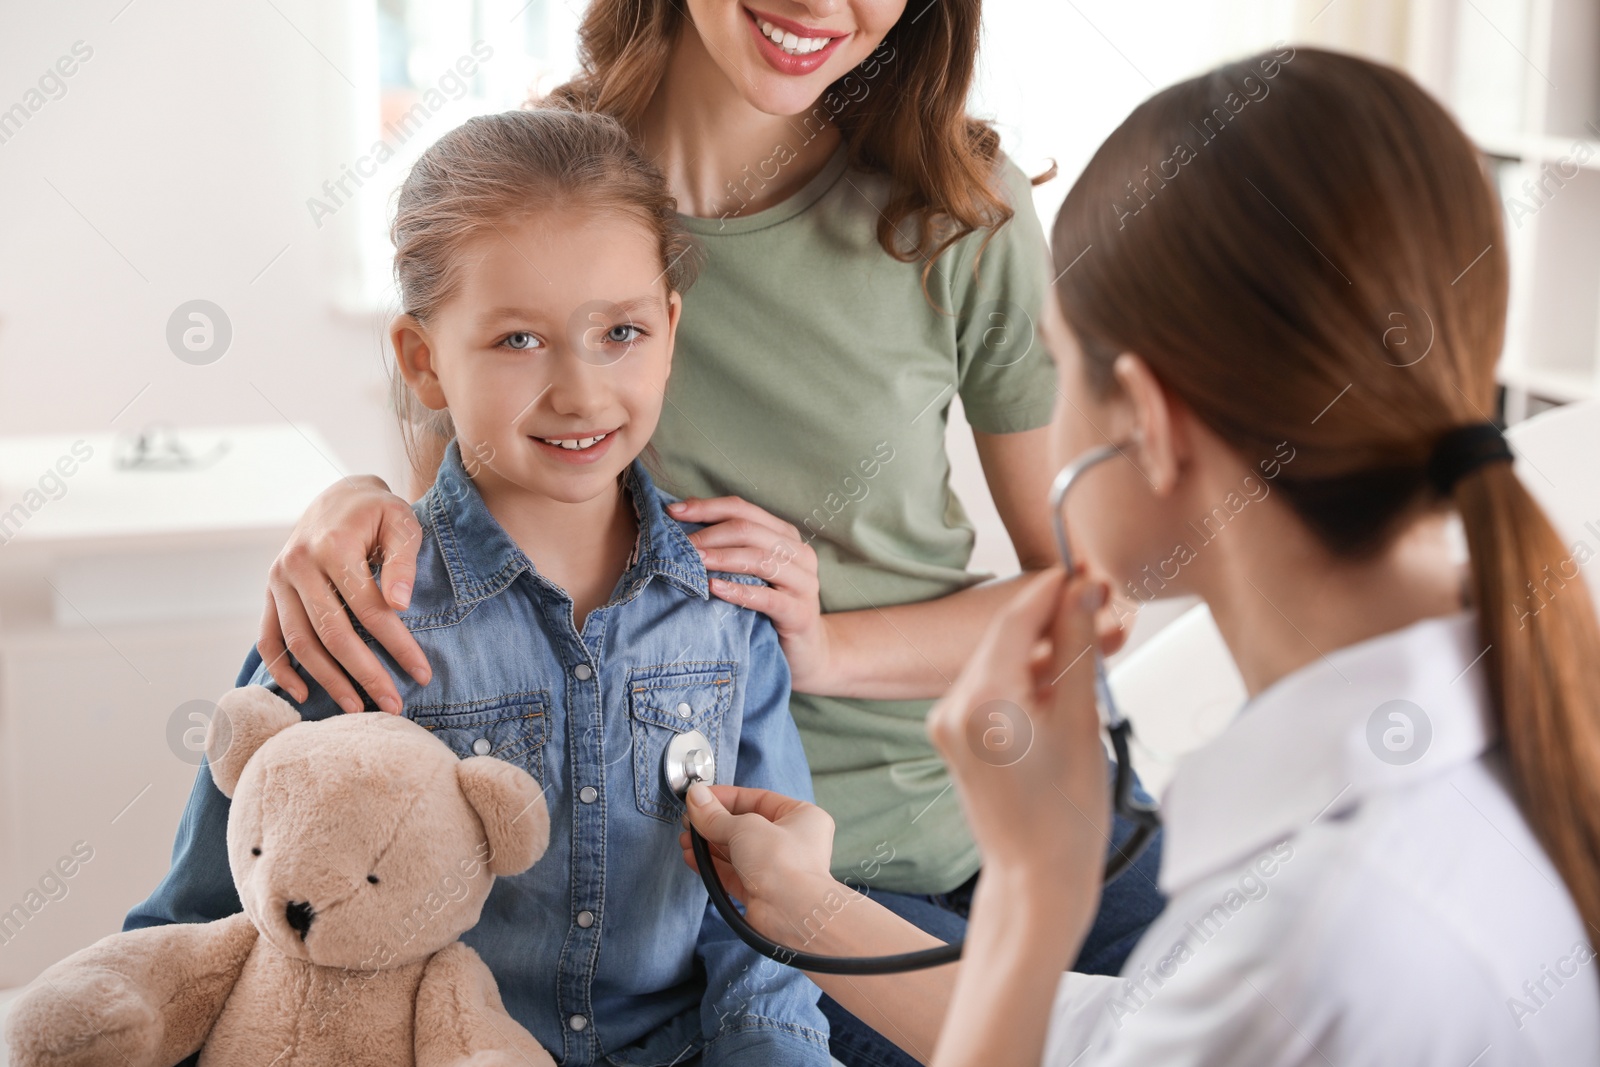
<point>911,123</point>
<point>1322,262</point>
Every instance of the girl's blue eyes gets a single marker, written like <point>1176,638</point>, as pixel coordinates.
<point>623,334</point>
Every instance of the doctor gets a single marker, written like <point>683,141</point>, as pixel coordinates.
<point>1286,287</point>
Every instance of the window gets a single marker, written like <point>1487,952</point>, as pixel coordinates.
<point>438,63</point>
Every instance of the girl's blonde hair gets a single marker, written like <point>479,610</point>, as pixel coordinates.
<point>495,167</point>
<point>1325,265</point>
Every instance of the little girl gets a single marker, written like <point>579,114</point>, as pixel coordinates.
<point>566,615</point>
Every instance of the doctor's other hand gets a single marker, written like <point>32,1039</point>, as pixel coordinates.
<point>772,852</point>
<point>1020,733</point>
<point>327,564</point>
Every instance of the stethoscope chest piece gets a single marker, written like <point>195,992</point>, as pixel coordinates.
<point>689,759</point>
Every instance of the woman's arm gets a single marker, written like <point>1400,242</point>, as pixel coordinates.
<point>897,652</point>
<point>906,651</point>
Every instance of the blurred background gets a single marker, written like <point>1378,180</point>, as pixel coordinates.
<point>194,290</point>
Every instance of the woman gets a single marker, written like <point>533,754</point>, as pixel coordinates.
<point>1393,854</point>
<point>869,254</point>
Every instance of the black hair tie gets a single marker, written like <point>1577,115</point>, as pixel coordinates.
<point>1463,450</point>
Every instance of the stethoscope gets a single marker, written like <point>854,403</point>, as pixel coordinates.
<point>690,758</point>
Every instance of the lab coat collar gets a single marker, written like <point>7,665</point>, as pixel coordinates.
<point>482,559</point>
<point>1313,744</point>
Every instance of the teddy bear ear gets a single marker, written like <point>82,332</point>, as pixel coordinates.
<point>245,719</point>
<point>511,806</point>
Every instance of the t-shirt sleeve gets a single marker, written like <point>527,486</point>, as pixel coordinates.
<point>1007,377</point>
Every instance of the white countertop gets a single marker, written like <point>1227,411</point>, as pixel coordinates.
<point>245,478</point>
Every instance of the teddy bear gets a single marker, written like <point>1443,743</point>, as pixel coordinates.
<point>362,848</point>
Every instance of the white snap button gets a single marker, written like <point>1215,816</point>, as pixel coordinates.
<point>583,674</point>
<point>684,710</point>
<point>481,746</point>
<point>586,919</point>
<point>577,1022</point>
<point>588,794</point>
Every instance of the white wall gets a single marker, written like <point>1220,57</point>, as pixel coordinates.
<point>1057,78</point>
<point>176,166</point>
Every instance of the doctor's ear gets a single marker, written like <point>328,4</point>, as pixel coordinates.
<point>1160,449</point>
<point>413,351</point>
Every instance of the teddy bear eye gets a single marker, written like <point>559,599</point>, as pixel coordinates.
<point>372,878</point>
<point>255,851</point>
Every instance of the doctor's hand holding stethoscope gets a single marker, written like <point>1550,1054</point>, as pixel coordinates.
<point>1392,854</point>
<point>1042,821</point>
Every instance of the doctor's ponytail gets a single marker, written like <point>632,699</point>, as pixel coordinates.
<point>1323,222</point>
<point>1544,671</point>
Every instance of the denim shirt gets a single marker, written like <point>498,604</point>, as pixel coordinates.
<point>608,949</point>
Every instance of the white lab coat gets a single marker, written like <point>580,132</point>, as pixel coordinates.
<point>1333,906</point>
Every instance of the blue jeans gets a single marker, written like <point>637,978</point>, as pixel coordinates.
<point>1127,906</point>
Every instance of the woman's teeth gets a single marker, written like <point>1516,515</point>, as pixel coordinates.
<point>794,46</point>
<point>575,444</point>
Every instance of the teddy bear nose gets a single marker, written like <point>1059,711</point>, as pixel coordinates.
<point>299,915</point>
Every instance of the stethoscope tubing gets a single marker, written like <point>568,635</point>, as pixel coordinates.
<point>1145,816</point>
<point>1122,857</point>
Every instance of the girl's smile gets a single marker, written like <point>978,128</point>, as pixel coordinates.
<point>553,412</point>
<point>577,448</point>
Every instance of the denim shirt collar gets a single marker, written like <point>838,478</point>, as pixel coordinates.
<point>483,560</point>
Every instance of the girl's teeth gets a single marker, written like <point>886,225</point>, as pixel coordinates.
<point>575,444</point>
<point>794,46</point>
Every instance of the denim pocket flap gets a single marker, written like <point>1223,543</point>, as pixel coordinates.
<point>682,698</point>
<point>512,727</point>
<point>666,701</point>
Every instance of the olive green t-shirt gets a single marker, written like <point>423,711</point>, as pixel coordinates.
<point>813,378</point>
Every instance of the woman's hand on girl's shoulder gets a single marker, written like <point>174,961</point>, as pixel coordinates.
<point>741,538</point>
<point>324,566</point>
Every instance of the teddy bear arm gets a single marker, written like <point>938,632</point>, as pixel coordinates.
<point>144,997</point>
<point>461,1020</point>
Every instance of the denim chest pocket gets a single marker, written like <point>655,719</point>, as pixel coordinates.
<point>512,727</point>
<point>664,702</point>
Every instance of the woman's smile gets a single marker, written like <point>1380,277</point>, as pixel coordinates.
<point>790,47</point>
